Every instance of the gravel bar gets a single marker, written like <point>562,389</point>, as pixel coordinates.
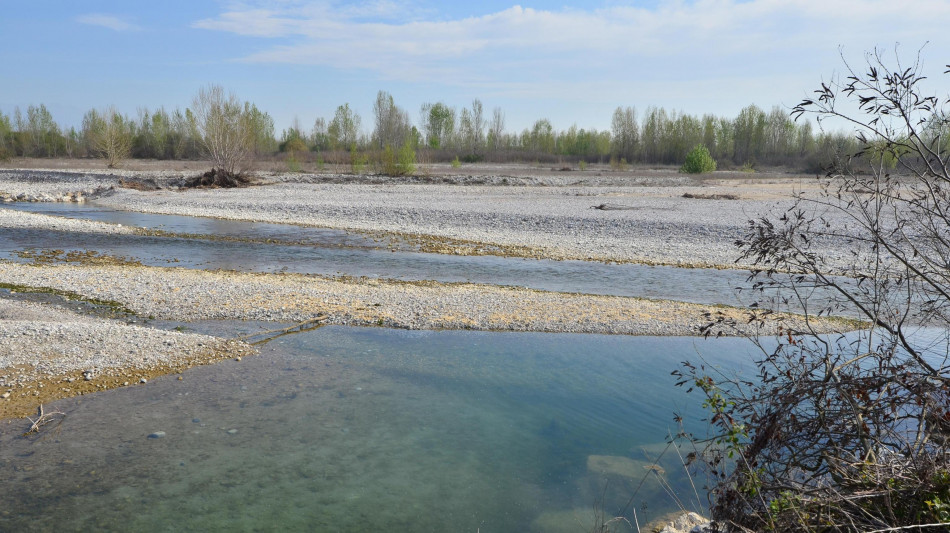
<point>47,353</point>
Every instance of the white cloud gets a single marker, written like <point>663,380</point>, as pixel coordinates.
<point>523,49</point>
<point>107,21</point>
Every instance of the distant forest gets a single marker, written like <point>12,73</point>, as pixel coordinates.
<point>443,134</point>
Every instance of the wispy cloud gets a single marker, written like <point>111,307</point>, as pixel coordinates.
<point>112,22</point>
<point>677,39</point>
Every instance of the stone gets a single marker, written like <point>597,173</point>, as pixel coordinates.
<point>157,435</point>
<point>620,466</point>
<point>686,523</point>
<point>232,431</point>
<point>566,521</point>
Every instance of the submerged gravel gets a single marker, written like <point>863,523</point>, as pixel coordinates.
<point>48,353</point>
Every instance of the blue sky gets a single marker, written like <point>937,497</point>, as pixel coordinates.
<point>568,61</point>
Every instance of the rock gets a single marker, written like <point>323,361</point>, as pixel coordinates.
<point>687,523</point>
<point>157,435</point>
<point>232,431</point>
<point>143,380</point>
<point>569,521</point>
<point>5,395</point>
<point>620,466</point>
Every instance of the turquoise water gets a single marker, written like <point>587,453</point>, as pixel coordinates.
<point>346,429</point>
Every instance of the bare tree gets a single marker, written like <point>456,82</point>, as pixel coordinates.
<point>626,133</point>
<point>223,130</point>
<point>110,135</point>
<point>496,130</point>
<point>478,126</point>
<point>848,432</point>
<point>392,122</point>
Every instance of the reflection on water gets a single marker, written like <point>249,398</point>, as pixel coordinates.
<point>332,252</point>
<point>344,429</point>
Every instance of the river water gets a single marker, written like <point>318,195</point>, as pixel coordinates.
<point>335,252</point>
<point>348,429</point>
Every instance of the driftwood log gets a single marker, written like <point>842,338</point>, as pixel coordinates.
<point>611,207</point>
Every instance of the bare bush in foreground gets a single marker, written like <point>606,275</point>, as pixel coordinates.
<point>848,432</point>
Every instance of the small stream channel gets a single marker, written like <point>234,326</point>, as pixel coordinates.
<point>336,252</point>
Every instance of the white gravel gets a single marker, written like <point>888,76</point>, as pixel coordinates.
<point>48,353</point>
<point>544,216</point>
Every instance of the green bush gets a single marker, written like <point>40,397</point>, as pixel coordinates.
<point>698,161</point>
<point>456,163</point>
<point>399,163</point>
<point>294,145</point>
<point>357,161</point>
<point>292,164</point>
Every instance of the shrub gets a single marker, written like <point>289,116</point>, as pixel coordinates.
<point>698,161</point>
<point>845,431</point>
<point>456,163</point>
<point>292,164</point>
<point>618,164</point>
<point>295,144</point>
<point>357,161</point>
<point>398,163</point>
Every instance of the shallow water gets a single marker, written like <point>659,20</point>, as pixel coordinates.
<point>333,252</point>
<point>345,429</point>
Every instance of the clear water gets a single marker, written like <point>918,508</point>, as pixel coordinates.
<point>344,429</point>
<point>333,252</point>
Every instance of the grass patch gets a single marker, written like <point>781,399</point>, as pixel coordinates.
<point>87,257</point>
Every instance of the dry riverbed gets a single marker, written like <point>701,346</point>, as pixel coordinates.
<point>47,352</point>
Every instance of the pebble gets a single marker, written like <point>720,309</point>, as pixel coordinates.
<point>232,431</point>
<point>157,435</point>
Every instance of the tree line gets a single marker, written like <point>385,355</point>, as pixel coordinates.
<point>753,138</point>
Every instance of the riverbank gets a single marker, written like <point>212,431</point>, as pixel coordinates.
<point>48,353</point>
